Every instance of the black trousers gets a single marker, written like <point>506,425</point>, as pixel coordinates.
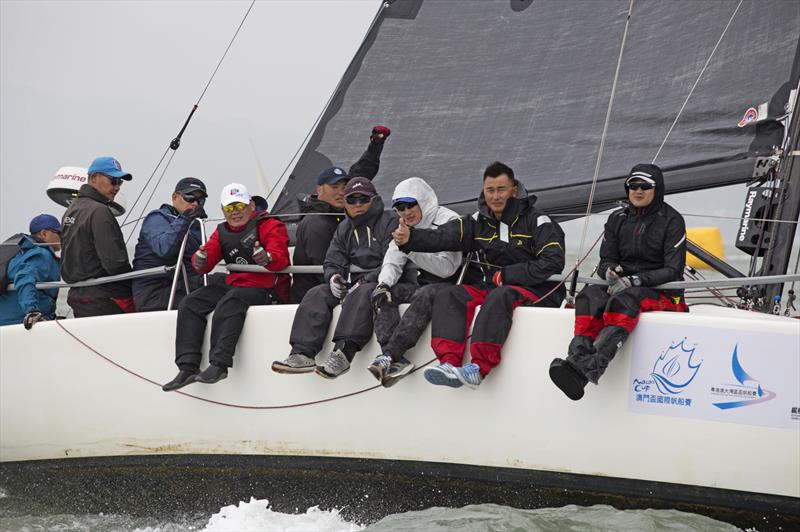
<point>230,304</point>
<point>314,314</point>
<point>397,335</point>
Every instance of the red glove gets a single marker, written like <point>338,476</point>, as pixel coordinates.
<point>379,134</point>
<point>497,278</point>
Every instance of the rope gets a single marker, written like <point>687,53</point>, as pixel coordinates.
<point>605,129</point>
<point>153,173</point>
<point>221,403</point>
<point>149,198</point>
<point>696,82</point>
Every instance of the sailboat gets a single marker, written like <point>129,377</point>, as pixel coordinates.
<point>571,95</point>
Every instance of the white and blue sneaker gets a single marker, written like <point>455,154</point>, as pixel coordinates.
<point>470,375</point>
<point>442,375</point>
<point>380,366</point>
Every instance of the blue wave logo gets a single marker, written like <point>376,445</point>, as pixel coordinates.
<point>673,371</point>
<point>760,396</point>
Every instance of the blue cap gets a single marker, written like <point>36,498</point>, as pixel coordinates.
<point>332,175</point>
<point>403,200</point>
<point>108,166</point>
<point>45,221</point>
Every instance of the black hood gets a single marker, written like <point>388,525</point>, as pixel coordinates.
<point>649,171</point>
<point>368,218</point>
<point>311,203</point>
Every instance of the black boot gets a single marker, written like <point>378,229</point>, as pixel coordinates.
<point>212,374</point>
<point>607,344</point>
<point>184,377</point>
<point>568,379</point>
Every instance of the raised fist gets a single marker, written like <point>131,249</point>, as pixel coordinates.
<point>380,134</point>
<point>200,258</point>
<point>260,255</point>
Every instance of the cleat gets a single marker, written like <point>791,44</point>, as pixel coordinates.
<point>568,379</point>
<point>380,366</point>
<point>442,375</point>
<point>183,378</point>
<point>294,363</point>
<point>336,365</point>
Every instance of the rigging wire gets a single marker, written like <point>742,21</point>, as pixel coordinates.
<point>142,214</point>
<point>700,75</point>
<point>605,129</point>
<point>176,142</point>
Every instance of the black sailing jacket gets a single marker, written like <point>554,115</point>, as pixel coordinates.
<point>649,242</point>
<point>525,245</point>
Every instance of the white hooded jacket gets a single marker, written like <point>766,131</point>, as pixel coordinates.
<point>441,264</point>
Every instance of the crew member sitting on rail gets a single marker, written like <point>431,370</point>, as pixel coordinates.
<point>425,274</point>
<point>326,210</point>
<point>361,240</point>
<point>160,239</point>
<point>93,246</point>
<point>518,247</point>
<point>24,261</point>
<point>644,245</point>
<point>243,238</point>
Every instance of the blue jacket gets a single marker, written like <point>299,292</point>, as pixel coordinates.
<point>159,242</point>
<point>33,264</point>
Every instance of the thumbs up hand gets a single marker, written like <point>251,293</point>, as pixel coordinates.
<point>402,234</point>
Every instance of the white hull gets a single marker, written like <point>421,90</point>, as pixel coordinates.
<point>58,399</point>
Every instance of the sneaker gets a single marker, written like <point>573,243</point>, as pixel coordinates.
<point>397,371</point>
<point>183,378</point>
<point>294,363</point>
<point>568,379</point>
<point>442,375</point>
<point>212,374</point>
<point>380,366</point>
<point>336,365</point>
<point>469,375</point>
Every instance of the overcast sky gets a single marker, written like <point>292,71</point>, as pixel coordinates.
<point>83,79</point>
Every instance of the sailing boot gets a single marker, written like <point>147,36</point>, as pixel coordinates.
<point>212,374</point>
<point>184,377</point>
<point>607,344</point>
<point>567,374</point>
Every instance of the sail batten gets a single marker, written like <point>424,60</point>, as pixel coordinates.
<point>528,84</point>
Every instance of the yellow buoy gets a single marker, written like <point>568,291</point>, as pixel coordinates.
<point>708,238</point>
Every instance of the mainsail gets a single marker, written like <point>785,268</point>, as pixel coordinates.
<point>528,82</point>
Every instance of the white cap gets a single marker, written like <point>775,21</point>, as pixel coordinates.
<point>234,193</point>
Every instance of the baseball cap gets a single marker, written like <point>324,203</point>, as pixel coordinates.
<point>108,166</point>
<point>360,185</point>
<point>44,221</point>
<point>331,176</point>
<point>405,199</point>
<point>187,185</point>
<point>645,173</point>
<point>233,193</point>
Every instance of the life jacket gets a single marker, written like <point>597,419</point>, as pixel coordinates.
<point>8,250</point>
<point>237,247</point>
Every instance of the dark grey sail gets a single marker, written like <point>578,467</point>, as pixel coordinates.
<point>528,82</point>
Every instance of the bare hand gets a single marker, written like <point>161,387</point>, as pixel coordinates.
<point>402,234</point>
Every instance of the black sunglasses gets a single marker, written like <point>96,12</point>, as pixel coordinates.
<point>640,186</point>
<point>115,181</point>
<point>403,205</point>
<point>357,200</point>
<point>191,198</point>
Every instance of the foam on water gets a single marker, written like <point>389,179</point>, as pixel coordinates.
<point>257,515</point>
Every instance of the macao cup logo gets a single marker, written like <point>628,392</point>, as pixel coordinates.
<point>673,370</point>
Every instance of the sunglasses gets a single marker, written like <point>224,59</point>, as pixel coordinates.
<point>357,200</point>
<point>234,207</point>
<point>640,186</point>
<point>191,198</point>
<point>403,205</point>
<point>115,181</point>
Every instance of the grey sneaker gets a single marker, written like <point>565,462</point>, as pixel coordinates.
<point>294,363</point>
<point>380,366</point>
<point>397,371</point>
<point>337,364</point>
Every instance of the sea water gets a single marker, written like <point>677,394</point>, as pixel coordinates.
<point>257,515</point>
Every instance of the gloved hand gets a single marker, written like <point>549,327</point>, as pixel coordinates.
<point>382,294</point>
<point>338,286</point>
<point>380,134</point>
<point>200,258</point>
<point>260,255</point>
<point>613,272</point>
<point>195,212</point>
<point>497,278</point>
<point>623,283</point>
<point>32,318</point>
